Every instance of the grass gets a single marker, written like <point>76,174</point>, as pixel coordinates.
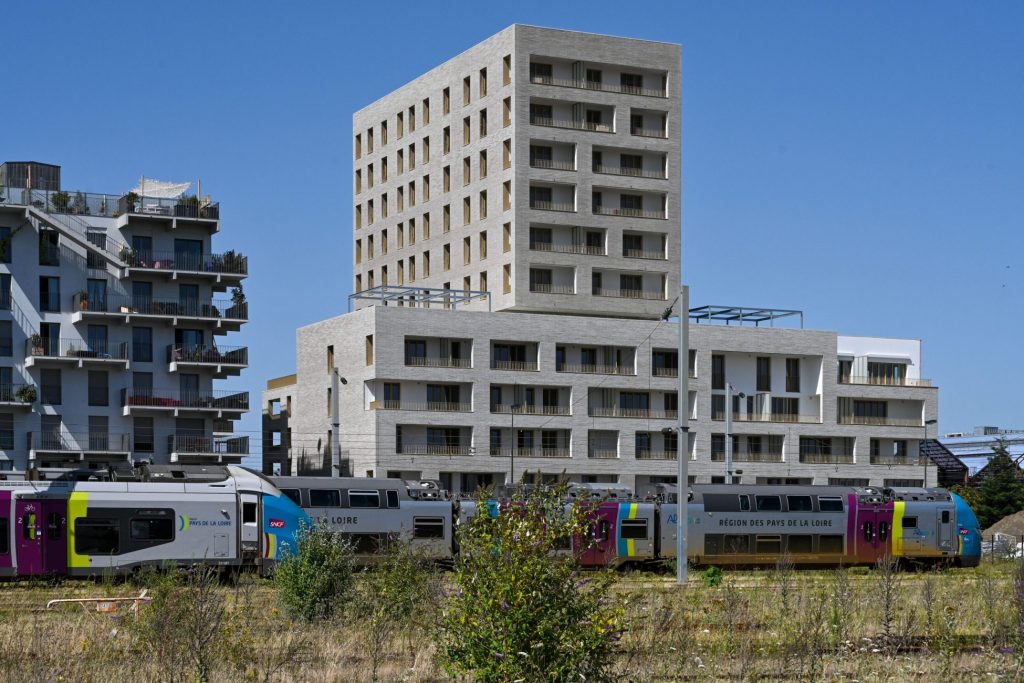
<point>781,624</point>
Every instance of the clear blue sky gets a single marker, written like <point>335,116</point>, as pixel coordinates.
<point>861,161</point>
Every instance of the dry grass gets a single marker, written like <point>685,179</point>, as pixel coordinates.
<point>769,625</point>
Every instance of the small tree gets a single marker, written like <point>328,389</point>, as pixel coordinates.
<point>1000,488</point>
<point>318,577</point>
<point>522,611</point>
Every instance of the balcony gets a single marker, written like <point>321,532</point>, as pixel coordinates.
<point>764,456</point>
<point>792,418</point>
<point>435,449</point>
<point>517,409</point>
<point>47,351</point>
<point>887,381</point>
<point>629,212</point>
<point>437,362</point>
<point>220,404</point>
<point>224,269</point>
<point>629,171</point>
<point>876,421</point>
<point>81,445</point>
<point>224,360</point>
<point>642,413</point>
<point>814,458</point>
<point>225,315</point>
<point>587,369</point>
<point>559,248</point>
<point>546,288</point>
<point>570,124</point>
<point>597,85</point>
<point>187,448</point>
<point>629,293</point>
<point>899,460</point>
<point>16,396</point>
<point>602,453</point>
<point>544,205</point>
<point>672,372</point>
<point>530,452</point>
<point>433,406</point>
<point>648,254</point>
<point>554,164</point>
<point>657,455</point>
<point>642,132</point>
<point>527,366</point>
<point>113,205</point>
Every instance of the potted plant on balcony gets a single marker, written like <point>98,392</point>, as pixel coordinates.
<point>83,299</point>
<point>237,309</point>
<point>128,203</point>
<point>36,341</point>
<point>231,262</point>
<point>59,201</point>
<point>127,255</point>
<point>26,394</point>
<point>187,206</point>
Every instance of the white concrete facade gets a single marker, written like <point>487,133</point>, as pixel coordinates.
<point>112,308</point>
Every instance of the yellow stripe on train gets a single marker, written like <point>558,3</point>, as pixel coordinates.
<point>898,509</point>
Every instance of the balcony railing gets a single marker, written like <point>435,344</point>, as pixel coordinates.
<point>49,347</point>
<point>429,362</point>
<point>228,263</point>
<point>719,456</point>
<point>587,369</point>
<point>616,411</point>
<point>541,205</point>
<point>657,455</point>
<point>648,132</point>
<point>598,85</point>
<point>87,442</point>
<point>628,212</point>
<point>539,288</point>
<point>566,248</point>
<point>628,293</point>
<point>435,449</point>
<point>887,381</point>
<point>880,421</point>
<point>529,366</point>
<point>826,458</point>
<point>793,418</point>
<point>572,125</point>
<point>208,353</point>
<point>112,205</point>
<point>899,460</point>
<point>184,308</point>
<point>602,453</point>
<point>517,409</point>
<point>630,171</point>
<point>530,452</point>
<point>553,164</point>
<point>207,445</point>
<point>437,406</point>
<point>172,398</point>
<point>16,393</point>
<point>648,254</point>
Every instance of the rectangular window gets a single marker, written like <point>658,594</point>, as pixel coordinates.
<point>425,111</point>
<point>465,131</point>
<point>507,278</point>
<point>5,531</point>
<point>99,389</point>
<point>768,503</point>
<point>369,349</point>
<point>830,545</point>
<point>483,244</point>
<point>363,499</point>
<point>793,375</point>
<point>144,434</point>
<point>427,527</point>
<point>97,536</point>
<point>483,123</point>
<point>6,338</point>
<point>49,294</point>
<point>142,344</point>
<point>6,430</point>
<point>465,91</point>
<point>764,373</point>
<point>506,69</point>
<point>5,244</point>
<point>633,528</point>
<point>830,504</point>
<point>718,372</point>
<point>158,529</point>
<point>506,112</point>
<point>50,391</point>
<point>910,522</point>
<point>324,498</point>
<point>799,503</point>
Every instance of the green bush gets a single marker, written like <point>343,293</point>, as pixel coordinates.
<point>712,577</point>
<point>521,610</point>
<point>317,578</point>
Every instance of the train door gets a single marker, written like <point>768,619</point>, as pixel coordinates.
<point>944,530</point>
<point>599,549</point>
<point>27,534</point>
<point>873,537</point>
<point>250,526</point>
<point>54,536</point>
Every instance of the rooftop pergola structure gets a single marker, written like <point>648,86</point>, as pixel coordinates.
<point>417,297</point>
<point>743,314</point>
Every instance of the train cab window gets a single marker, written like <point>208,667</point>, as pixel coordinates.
<point>869,531</point>
<point>161,529</point>
<point>799,503</point>
<point>324,498</point>
<point>97,536</point>
<point>945,516</point>
<point>53,526</point>
<point>294,495</point>
<point>883,530</point>
<point>248,513</point>
<point>427,527</point>
<point>745,503</point>
<point>364,499</point>
<point>392,499</point>
<point>634,528</point>
<point>736,545</point>
<point>910,522</point>
<point>830,504</point>
<point>5,545</point>
<point>830,545</point>
<point>798,543</point>
<point>768,503</point>
<point>768,545</point>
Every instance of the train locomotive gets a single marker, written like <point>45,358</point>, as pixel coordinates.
<point>728,525</point>
<point>94,523</point>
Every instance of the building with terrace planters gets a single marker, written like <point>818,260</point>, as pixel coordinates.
<point>113,307</point>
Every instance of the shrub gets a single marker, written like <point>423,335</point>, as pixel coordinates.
<point>712,577</point>
<point>521,611</point>
<point>318,577</point>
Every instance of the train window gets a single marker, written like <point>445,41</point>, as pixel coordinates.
<point>364,499</point>
<point>600,530</point>
<point>53,526</point>
<point>248,513</point>
<point>392,499</point>
<point>799,503</point>
<point>427,527</point>
<point>152,529</point>
<point>97,536</point>
<point>869,531</point>
<point>945,516</point>
<point>769,545</point>
<point>363,543</point>
<point>768,503</point>
<point>712,544</point>
<point>798,543</point>
<point>745,503</point>
<point>830,504</point>
<point>28,526</point>
<point>883,530</point>
<point>737,545</point>
<point>324,498</point>
<point>910,522</point>
<point>633,528</point>
<point>5,529</point>
<point>830,545</point>
<point>294,495</point>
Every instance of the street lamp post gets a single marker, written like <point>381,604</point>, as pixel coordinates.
<point>728,431</point>
<point>336,381</point>
<point>683,428</point>
<point>926,458</point>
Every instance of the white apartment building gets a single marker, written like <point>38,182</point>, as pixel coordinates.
<point>516,240</point>
<point>112,306</point>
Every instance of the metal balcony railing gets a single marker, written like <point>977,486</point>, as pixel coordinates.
<point>208,353</point>
<point>436,362</point>
<point>529,366</point>
<point>16,392</point>
<point>629,293</point>
<point>719,415</point>
<point>588,369</point>
<point>616,411</point>
<point>172,398</point>
<point>628,212</point>
<point>648,254</point>
<point>887,381</point>
<point>572,125</point>
<point>657,455</point>
<point>436,406</point>
<point>228,263</point>
<point>602,453</point>
<point>648,132</point>
<point>49,347</point>
<point>899,460</point>
<point>112,205</point>
<point>748,456</point>
<point>566,248</point>
<point>557,165</point>
<point>184,308</point>
<point>87,442</point>
<point>207,445</point>
<point>540,288</point>
<point>598,85</point>
<point>434,449</point>
<point>541,205</point>
<point>517,409</point>
<point>630,171</point>
<point>814,458</point>
<point>880,421</point>
<point>530,452</point>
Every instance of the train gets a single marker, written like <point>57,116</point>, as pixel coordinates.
<point>728,525</point>
<point>117,521</point>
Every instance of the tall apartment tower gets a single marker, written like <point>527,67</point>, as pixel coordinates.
<point>111,307</point>
<point>540,165</point>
